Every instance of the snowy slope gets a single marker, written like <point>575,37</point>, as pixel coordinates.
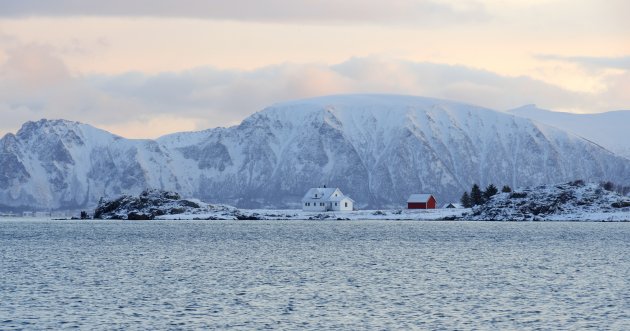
<point>377,148</point>
<point>52,164</point>
<point>610,129</point>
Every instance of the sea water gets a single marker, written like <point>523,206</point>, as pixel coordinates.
<point>317,275</point>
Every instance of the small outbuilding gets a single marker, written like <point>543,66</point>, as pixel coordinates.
<point>452,206</point>
<point>421,201</point>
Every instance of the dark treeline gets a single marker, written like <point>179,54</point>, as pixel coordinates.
<point>612,187</point>
<point>478,197</point>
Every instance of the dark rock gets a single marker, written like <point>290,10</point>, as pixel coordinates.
<point>139,216</point>
<point>190,204</point>
<point>621,204</point>
<point>148,205</point>
<point>251,217</point>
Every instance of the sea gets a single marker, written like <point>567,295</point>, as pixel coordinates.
<point>313,275</point>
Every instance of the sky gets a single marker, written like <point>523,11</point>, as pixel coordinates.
<point>141,68</point>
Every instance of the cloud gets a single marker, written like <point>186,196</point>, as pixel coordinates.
<point>35,83</point>
<point>417,12</point>
<point>592,62</point>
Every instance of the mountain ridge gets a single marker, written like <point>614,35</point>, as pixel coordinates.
<point>609,129</point>
<point>377,148</point>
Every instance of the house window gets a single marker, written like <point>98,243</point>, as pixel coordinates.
<point>321,203</point>
<point>335,203</point>
<point>346,204</point>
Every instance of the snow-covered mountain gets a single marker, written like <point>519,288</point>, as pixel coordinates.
<point>610,130</point>
<point>377,148</point>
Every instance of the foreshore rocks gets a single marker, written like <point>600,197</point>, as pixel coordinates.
<point>148,205</point>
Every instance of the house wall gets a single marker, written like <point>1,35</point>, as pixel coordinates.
<point>316,207</point>
<point>341,205</point>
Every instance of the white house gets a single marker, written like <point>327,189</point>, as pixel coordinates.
<point>326,199</point>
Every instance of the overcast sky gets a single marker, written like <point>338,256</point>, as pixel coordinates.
<point>143,68</point>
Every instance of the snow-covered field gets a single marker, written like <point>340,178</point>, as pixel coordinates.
<point>295,214</point>
<point>419,215</point>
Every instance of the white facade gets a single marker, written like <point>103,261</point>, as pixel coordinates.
<point>326,199</point>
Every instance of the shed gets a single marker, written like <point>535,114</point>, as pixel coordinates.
<point>421,201</point>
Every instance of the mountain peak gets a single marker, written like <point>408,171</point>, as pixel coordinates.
<point>46,126</point>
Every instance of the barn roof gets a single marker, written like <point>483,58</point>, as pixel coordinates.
<point>422,197</point>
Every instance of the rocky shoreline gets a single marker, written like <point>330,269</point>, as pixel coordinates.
<point>574,201</point>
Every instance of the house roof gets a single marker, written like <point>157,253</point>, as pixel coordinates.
<point>455,205</point>
<point>323,194</point>
<point>422,197</point>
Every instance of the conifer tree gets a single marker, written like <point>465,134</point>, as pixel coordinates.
<point>476,196</point>
<point>506,189</point>
<point>465,200</point>
<point>489,192</point>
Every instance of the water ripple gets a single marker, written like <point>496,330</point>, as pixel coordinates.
<point>314,275</point>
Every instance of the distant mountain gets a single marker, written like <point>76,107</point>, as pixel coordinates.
<point>610,130</point>
<point>377,148</point>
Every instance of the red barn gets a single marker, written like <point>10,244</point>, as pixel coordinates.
<point>421,201</point>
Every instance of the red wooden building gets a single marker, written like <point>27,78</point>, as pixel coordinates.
<point>421,201</point>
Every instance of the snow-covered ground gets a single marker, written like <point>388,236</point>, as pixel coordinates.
<point>295,214</point>
<point>417,215</point>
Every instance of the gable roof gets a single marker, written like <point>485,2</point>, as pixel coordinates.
<point>323,193</point>
<point>455,205</point>
<point>422,197</point>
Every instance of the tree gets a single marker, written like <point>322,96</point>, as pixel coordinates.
<point>476,196</point>
<point>506,189</point>
<point>489,192</point>
<point>84,215</point>
<point>465,200</point>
